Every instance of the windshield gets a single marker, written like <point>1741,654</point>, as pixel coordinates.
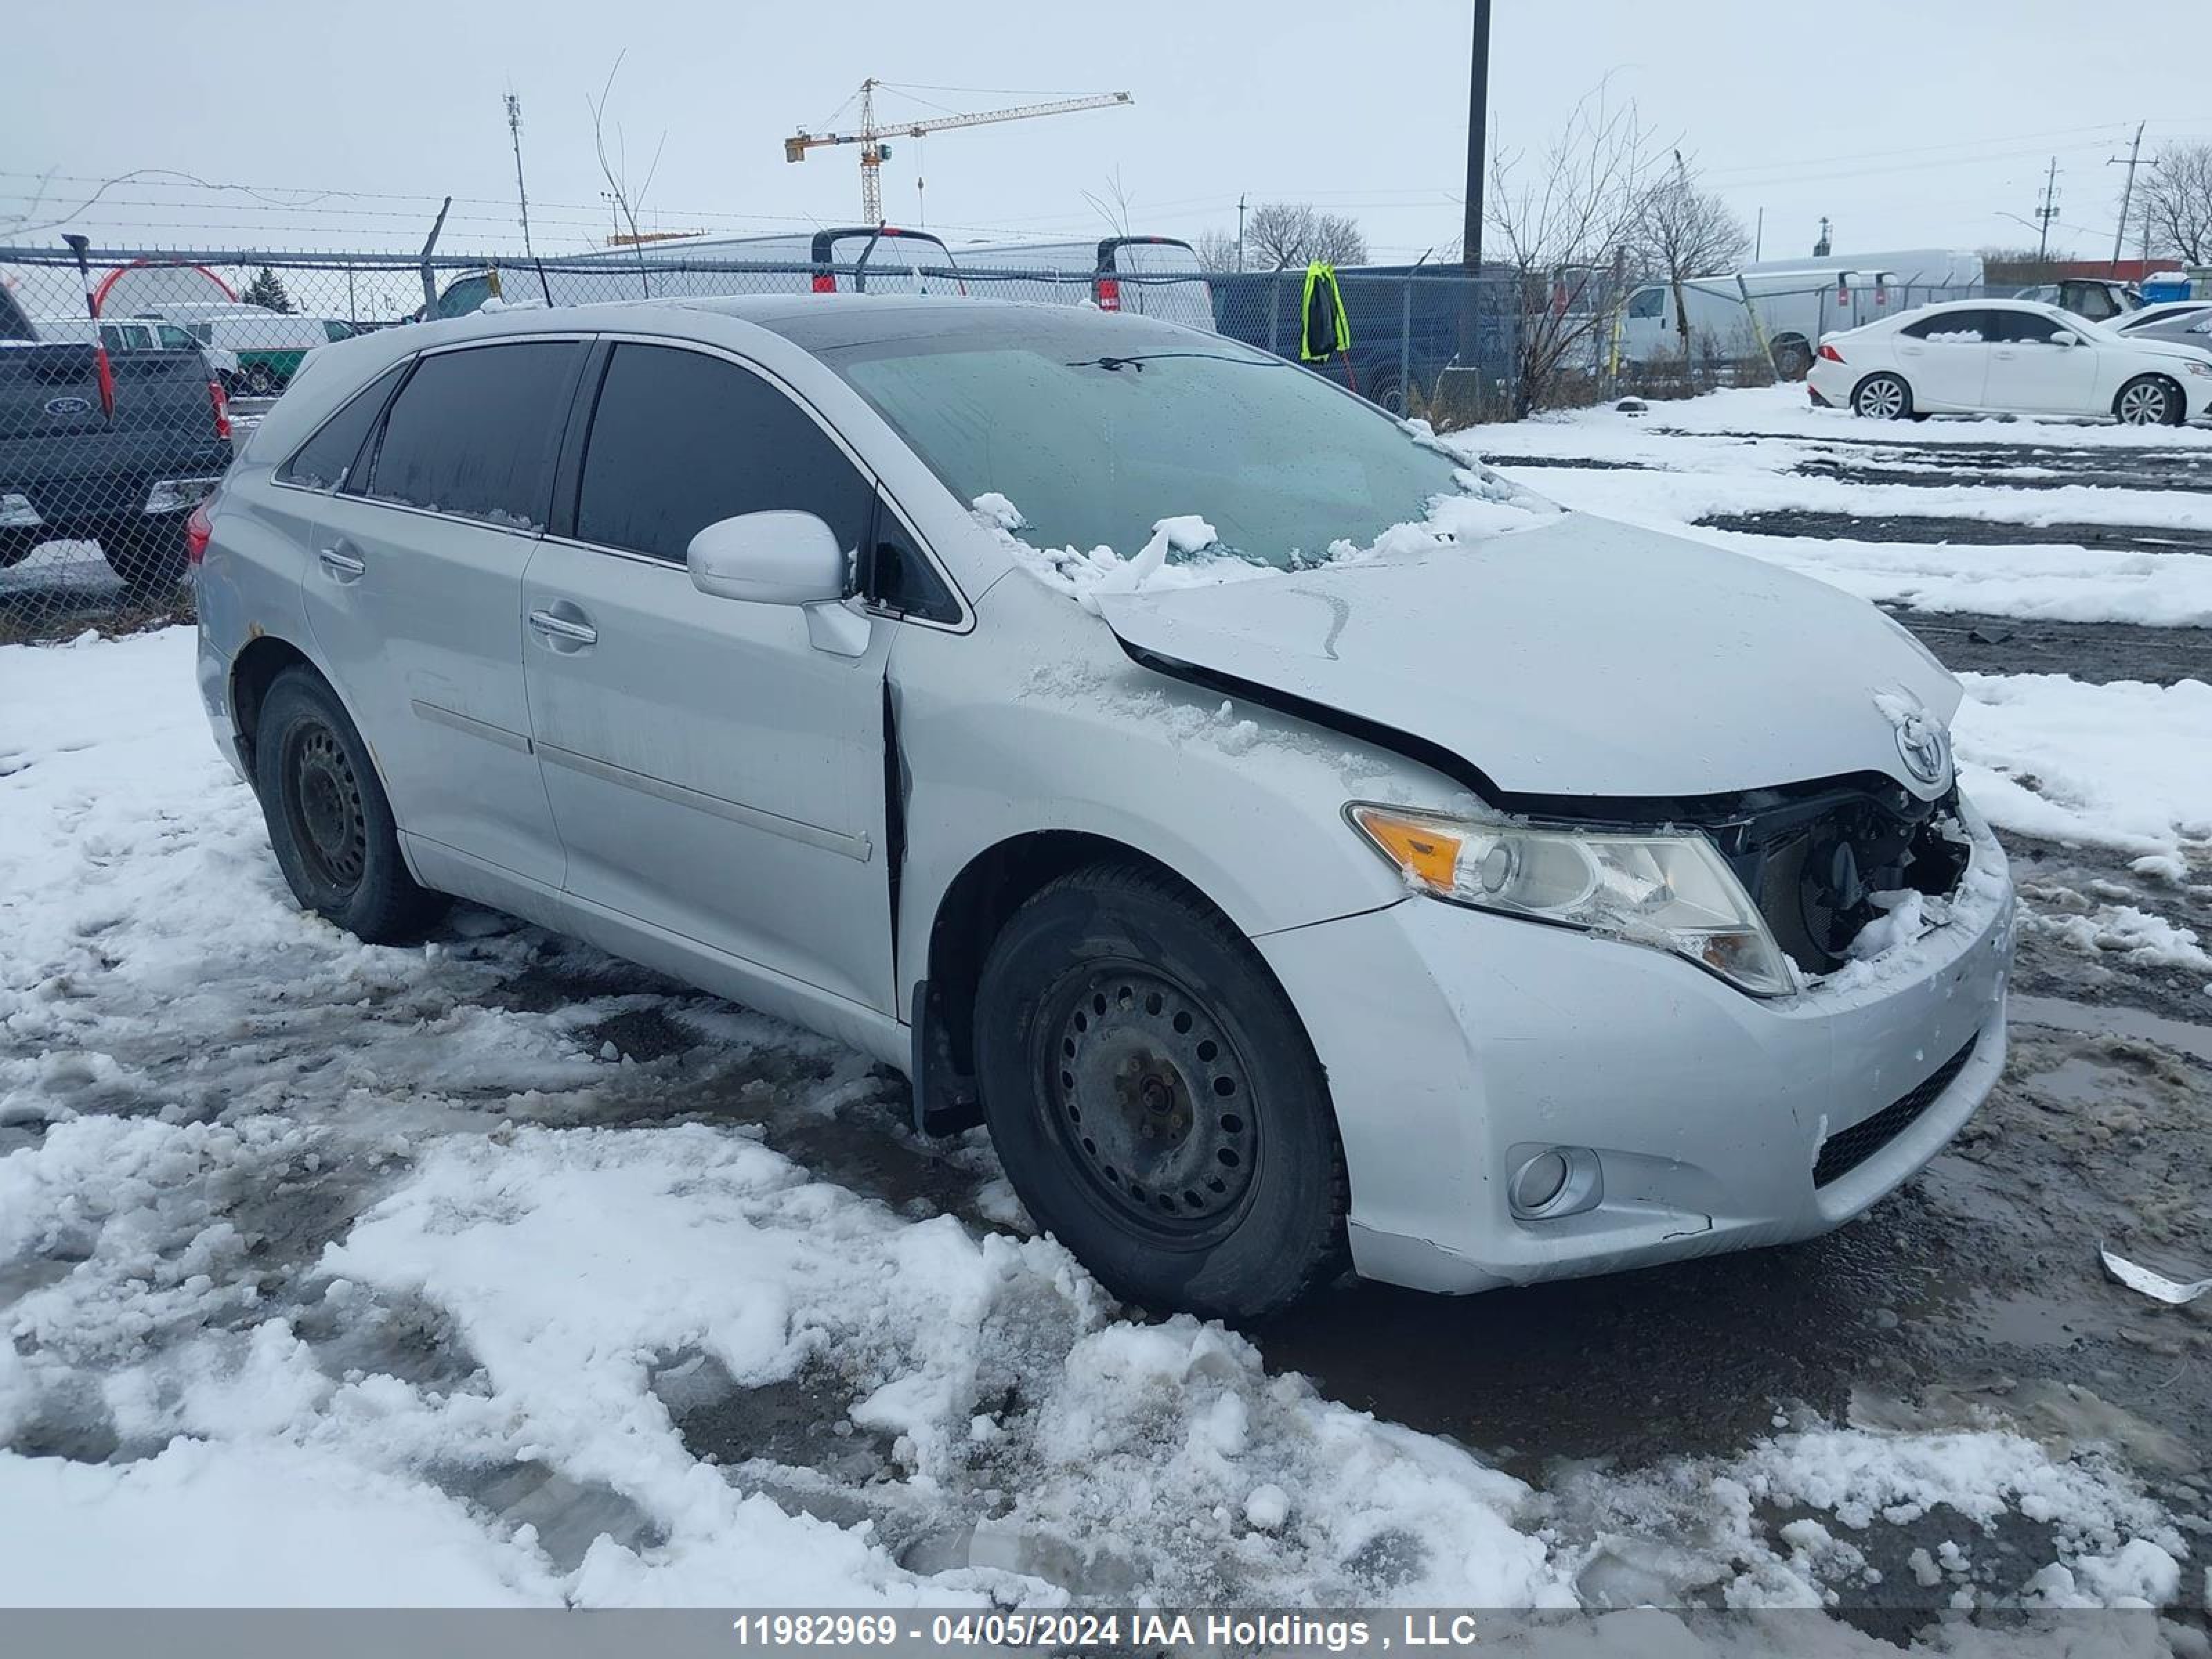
<point>1095,429</point>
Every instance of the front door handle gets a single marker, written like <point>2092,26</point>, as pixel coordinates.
<point>340,565</point>
<point>563,633</point>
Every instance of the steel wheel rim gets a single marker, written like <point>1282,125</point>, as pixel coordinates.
<point>1148,1095</point>
<point>1882,401</point>
<point>323,806</point>
<point>2142,405</point>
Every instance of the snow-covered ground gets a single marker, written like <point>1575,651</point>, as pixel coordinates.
<point>492,1272</point>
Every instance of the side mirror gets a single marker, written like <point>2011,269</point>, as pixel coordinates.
<point>2065,338</point>
<point>768,558</point>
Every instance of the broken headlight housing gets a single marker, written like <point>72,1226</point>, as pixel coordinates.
<point>1670,890</point>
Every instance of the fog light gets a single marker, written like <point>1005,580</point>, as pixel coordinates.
<point>1539,1181</point>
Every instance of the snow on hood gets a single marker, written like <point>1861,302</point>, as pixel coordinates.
<point>1580,657</point>
<point>1489,506</point>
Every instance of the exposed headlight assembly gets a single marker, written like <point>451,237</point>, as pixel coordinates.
<point>1670,891</point>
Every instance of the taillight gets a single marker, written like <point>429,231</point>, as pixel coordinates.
<point>824,283</point>
<point>1831,354</point>
<point>1109,293</point>
<point>198,528</point>
<point>221,404</point>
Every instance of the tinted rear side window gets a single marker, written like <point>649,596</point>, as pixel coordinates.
<point>325,460</point>
<point>1956,327</point>
<point>680,440</point>
<point>474,432</point>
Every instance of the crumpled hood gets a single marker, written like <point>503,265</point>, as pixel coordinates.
<point>1581,658</point>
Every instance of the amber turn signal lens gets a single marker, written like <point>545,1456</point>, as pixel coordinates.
<point>1417,845</point>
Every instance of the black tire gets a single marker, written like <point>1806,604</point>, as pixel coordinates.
<point>1882,396</point>
<point>260,379</point>
<point>1155,1100</point>
<point>1793,359</point>
<point>2150,400</point>
<point>329,821</point>
<point>148,554</point>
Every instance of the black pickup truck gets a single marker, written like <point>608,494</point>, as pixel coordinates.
<point>70,471</point>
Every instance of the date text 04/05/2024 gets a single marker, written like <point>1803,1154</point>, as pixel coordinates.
<point>1074,1631</point>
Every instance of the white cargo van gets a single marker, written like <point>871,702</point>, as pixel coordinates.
<point>1797,300</point>
<point>853,259</point>
<point>1151,275</point>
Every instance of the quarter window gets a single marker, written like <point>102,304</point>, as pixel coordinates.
<point>474,432</point>
<point>680,440</point>
<point>325,459</point>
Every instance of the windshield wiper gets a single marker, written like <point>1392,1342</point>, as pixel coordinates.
<point>1113,364</point>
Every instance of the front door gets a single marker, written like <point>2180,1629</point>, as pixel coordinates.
<point>413,595</point>
<point>714,772</point>
<point>2030,370</point>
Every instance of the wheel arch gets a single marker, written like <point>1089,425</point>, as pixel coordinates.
<point>970,914</point>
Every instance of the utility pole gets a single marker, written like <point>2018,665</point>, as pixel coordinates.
<point>2127,193</point>
<point>521,195</point>
<point>1466,370</point>
<point>1240,230</point>
<point>2047,212</point>
<point>1758,238</point>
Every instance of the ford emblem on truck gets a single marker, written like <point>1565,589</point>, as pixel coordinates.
<point>68,406</point>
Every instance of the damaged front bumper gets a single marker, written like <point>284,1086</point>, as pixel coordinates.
<point>1693,1119</point>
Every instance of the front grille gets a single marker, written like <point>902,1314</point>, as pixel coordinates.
<point>1815,867</point>
<point>1844,1151</point>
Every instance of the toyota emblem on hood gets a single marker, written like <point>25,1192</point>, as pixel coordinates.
<point>1925,747</point>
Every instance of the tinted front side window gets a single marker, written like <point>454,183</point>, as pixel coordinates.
<point>2023,328</point>
<point>680,440</point>
<point>1647,302</point>
<point>325,460</point>
<point>474,432</point>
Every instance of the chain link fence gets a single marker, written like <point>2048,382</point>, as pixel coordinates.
<point>112,426</point>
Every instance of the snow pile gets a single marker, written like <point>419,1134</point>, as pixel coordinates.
<point>2117,764</point>
<point>1184,550</point>
<point>354,1275</point>
<point>1720,1521</point>
<point>2123,930</point>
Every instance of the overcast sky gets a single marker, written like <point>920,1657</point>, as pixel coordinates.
<point>1917,124</point>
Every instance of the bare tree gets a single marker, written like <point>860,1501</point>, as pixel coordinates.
<point>1112,203</point>
<point>1683,232</point>
<point>1563,220</point>
<point>1216,250</point>
<point>1277,235</point>
<point>628,199</point>
<point>2177,198</point>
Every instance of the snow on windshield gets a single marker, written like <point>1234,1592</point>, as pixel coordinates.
<point>1184,550</point>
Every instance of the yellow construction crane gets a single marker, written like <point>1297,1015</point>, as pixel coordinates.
<point>870,136</point>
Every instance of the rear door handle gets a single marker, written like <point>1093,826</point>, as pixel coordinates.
<point>340,565</point>
<point>563,633</point>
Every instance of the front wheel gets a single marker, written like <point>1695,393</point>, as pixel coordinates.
<point>2150,400</point>
<point>1883,397</point>
<point>1155,1100</point>
<point>329,821</point>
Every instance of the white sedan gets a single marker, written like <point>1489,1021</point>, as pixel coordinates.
<point>2007,356</point>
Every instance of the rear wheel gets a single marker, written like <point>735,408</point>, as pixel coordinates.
<point>329,821</point>
<point>1793,359</point>
<point>2150,400</point>
<point>260,380</point>
<point>148,554</point>
<point>1154,1099</point>
<point>1883,397</point>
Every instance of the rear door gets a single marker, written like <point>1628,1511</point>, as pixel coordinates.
<point>1946,357</point>
<point>415,594</point>
<point>714,772</point>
